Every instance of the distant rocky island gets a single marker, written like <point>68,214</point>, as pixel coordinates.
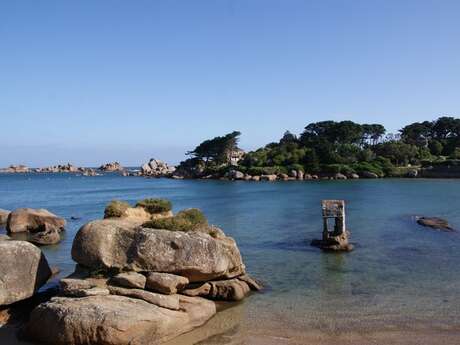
<point>323,151</point>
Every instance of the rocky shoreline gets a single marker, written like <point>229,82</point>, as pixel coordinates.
<point>143,275</point>
<point>155,168</point>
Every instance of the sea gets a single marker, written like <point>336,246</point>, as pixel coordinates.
<point>400,275</point>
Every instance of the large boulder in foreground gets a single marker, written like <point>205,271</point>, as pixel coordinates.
<point>33,220</point>
<point>123,245</point>
<point>23,269</point>
<point>114,320</point>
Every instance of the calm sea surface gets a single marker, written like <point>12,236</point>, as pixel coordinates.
<point>400,276</point>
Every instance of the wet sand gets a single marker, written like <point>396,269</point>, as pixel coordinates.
<point>228,328</point>
<point>222,330</point>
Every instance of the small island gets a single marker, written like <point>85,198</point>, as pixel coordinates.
<point>333,150</point>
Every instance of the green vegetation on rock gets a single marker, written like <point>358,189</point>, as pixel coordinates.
<point>115,208</point>
<point>186,220</point>
<point>154,206</point>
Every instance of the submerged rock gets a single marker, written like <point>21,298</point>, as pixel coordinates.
<point>114,320</point>
<point>435,223</point>
<point>23,270</point>
<point>334,244</point>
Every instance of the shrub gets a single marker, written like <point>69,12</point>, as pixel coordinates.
<point>186,220</point>
<point>385,165</point>
<point>274,170</point>
<point>256,171</point>
<point>456,154</point>
<point>338,168</point>
<point>435,147</point>
<point>193,215</point>
<point>115,208</point>
<point>331,168</point>
<point>347,170</point>
<point>446,163</point>
<point>365,166</point>
<point>297,167</point>
<point>153,206</point>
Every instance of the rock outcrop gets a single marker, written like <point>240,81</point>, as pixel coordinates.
<point>110,167</point>
<point>135,284</point>
<point>64,168</point>
<point>114,320</point>
<point>29,219</point>
<point>156,168</point>
<point>43,226</point>
<point>23,270</point>
<point>123,245</point>
<point>14,169</point>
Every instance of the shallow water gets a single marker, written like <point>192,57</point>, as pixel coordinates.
<point>400,275</point>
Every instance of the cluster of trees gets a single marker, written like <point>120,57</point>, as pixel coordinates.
<point>441,137</point>
<point>211,156</point>
<point>332,147</point>
<point>216,151</point>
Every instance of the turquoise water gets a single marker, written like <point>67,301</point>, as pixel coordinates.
<point>400,275</point>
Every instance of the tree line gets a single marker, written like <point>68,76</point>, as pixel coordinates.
<point>329,147</point>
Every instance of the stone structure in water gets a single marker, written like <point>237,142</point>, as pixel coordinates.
<point>337,239</point>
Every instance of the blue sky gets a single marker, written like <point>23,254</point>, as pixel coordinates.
<point>94,81</point>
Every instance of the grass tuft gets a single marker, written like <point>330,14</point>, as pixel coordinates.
<point>115,209</point>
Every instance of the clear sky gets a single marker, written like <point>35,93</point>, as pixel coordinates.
<point>94,81</point>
